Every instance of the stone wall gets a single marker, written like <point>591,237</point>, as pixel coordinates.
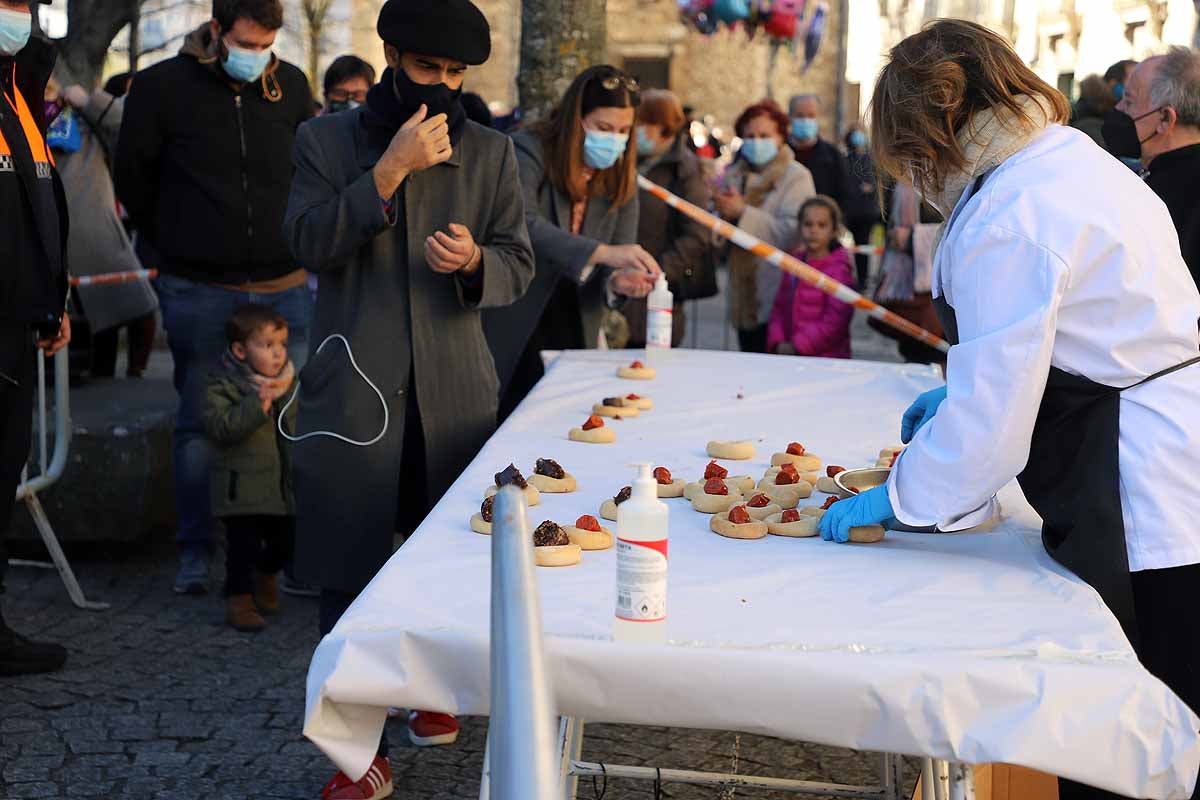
<point>719,74</point>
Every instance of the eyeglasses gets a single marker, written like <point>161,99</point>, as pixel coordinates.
<point>613,81</point>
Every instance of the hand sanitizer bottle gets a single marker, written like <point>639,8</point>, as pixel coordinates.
<point>659,313</point>
<point>641,610</point>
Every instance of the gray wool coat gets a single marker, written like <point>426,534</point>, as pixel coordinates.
<point>561,255</point>
<point>401,319</point>
<point>97,242</point>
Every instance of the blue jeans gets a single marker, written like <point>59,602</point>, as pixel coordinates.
<point>194,316</point>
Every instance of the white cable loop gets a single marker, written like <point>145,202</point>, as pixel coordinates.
<point>331,434</point>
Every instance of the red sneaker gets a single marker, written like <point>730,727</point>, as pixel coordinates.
<point>429,728</point>
<point>375,785</point>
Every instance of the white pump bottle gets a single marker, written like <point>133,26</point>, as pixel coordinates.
<point>659,314</point>
<point>641,608</point>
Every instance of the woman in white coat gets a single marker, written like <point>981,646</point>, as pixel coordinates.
<point>1073,320</point>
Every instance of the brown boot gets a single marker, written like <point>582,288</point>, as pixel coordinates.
<point>266,593</point>
<point>241,614</point>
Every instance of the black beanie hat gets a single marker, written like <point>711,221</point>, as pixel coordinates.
<point>447,28</point>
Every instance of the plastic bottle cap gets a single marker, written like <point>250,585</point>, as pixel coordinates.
<point>661,283</point>
<point>645,485</point>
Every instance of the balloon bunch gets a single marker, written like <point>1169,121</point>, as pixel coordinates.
<point>783,22</point>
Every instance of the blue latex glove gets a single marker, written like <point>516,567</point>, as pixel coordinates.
<point>920,412</point>
<point>872,507</point>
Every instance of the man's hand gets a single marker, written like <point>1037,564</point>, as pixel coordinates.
<point>446,253</point>
<point>52,346</point>
<point>418,145</point>
<point>631,282</point>
<point>730,204</point>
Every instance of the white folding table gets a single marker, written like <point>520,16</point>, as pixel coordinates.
<point>970,648</point>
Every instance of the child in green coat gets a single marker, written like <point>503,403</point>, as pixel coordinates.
<point>251,488</point>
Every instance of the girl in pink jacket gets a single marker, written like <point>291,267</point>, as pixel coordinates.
<point>804,320</point>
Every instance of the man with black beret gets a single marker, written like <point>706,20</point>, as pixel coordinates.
<point>412,217</point>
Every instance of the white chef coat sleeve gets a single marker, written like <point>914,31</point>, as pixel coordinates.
<point>1005,290</point>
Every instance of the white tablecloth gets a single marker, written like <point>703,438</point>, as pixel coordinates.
<point>973,647</point>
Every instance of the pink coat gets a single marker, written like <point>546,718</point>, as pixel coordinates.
<point>815,323</point>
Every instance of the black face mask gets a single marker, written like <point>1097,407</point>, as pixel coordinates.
<point>1120,134</point>
<point>438,98</point>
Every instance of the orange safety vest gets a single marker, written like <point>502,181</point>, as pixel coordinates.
<point>43,159</point>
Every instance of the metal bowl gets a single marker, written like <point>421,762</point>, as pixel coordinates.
<point>860,479</point>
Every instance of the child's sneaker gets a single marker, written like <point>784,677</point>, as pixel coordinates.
<point>429,728</point>
<point>375,785</point>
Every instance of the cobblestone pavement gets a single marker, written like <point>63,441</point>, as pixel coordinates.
<point>160,700</point>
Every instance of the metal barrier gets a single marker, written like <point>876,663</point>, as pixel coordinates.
<point>520,758</point>
<point>50,466</point>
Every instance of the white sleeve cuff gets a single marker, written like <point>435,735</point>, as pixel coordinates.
<point>956,522</point>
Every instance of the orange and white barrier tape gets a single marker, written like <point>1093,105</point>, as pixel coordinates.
<point>866,250</point>
<point>793,265</point>
<point>113,277</point>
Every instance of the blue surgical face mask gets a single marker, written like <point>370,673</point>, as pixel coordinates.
<point>760,151</point>
<point>246,65</point>
<point>14,31</point>
<point>601,149</point>
<point>1118,91</point>
<point>804,129</point>
<point>645,145</point>
<point>858,139</point>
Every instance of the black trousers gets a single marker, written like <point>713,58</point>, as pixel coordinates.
<point>860,229</point>
<point>255,543</point>
<point>753,340</point>
<point>1165,602</point>
<point>17,374</point>
<point>141,343</point>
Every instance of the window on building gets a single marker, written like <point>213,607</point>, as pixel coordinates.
<point>1066,84</point>
<point>1131,30</point>
<point>650,73</point>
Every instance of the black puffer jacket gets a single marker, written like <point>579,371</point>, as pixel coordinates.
<point>204,164</point>
<point>33,209</point>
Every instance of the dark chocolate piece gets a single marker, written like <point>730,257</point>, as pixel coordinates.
<point>550,468</point>
<point>549,534</point>
<point>511,474</point>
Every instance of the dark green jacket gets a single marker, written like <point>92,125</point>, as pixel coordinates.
<point>250,473</point>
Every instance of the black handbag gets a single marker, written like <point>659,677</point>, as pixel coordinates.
<point>699,280</point>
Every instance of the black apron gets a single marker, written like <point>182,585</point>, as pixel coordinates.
<point>1072,478</point>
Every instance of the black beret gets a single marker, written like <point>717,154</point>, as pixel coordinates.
<point>447,28</point>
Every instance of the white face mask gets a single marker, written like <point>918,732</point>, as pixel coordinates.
<point>15,27</point>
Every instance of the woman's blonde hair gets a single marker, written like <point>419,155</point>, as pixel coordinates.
<point>933,83</point>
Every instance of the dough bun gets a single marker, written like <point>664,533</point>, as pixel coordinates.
<point>643,403</point>
<point>675,488</point>
<point>594,436</point>
<point>810,478</point>
<point>764,512</point>
<point>747,530</point>
<point>608,510</point>
<point>714,503</point>
<point>867,534</point>
<point>802,488</point>
<point>550,485</point>
<point>601,410</point>
<point>731,451</point>
<point>559,555</point>
<point>636,373</point>
<point>741,484</point>
<point>804,463</point>
<point>480,525</point>
<point>590,540</point>
<point>826,484</point>
<point>813,511</point>
<point>532,496</point>
<point>788,496</point>
<point>804,527</point>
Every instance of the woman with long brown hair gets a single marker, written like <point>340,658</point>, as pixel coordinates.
<point>1075,358</point>
<point>579,175</point>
